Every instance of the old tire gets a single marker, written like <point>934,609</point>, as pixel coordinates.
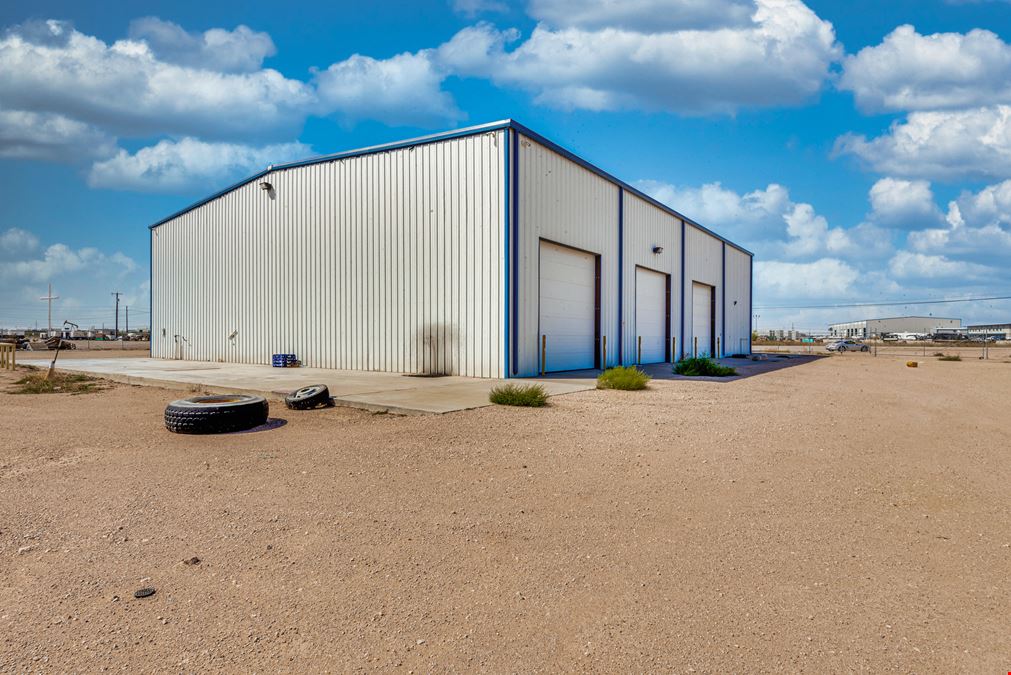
<point>308,398</point>
<point>865,348</point>
<point>216,414</point>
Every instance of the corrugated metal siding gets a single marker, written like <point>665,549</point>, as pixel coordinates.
<point>646,226</point>
<point>392,261</point>
<point>703,263</point>
<point>563,202</point>
<point>739,292</point>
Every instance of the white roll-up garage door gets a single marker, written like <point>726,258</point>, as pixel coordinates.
<point>567,299</point>
<point>651,314</point>
<point>702,318</point>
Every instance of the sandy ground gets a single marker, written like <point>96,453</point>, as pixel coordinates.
<point>848,514</point>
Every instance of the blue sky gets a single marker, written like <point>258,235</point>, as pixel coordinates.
<point>861,149</point>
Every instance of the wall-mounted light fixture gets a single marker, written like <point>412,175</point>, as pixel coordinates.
<point>264,185</point>
<point>658,250</point>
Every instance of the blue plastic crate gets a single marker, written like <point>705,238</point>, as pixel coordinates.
<point>283,360</point>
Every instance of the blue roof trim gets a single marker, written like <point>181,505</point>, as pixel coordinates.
<point>445,136</point>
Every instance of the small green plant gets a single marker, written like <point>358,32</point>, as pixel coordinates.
<point>627,378</point>
<point>529,395</point>
<point>952,357</point>
<point>702,367</point>
<point>60,383</point>
<point>938,353</point>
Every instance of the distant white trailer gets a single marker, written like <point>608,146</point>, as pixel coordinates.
<point>488,252</point>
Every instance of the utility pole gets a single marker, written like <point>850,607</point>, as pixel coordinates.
<point>50,299</point>
<point>117,294</point>
<point>127,331</point>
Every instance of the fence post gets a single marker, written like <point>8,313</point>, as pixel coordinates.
<point>695,349</point>
<point>544,354</point>
<point>603,363</point>
<point>719,352</point>
<point>638,360</point>
<point>673,349</point>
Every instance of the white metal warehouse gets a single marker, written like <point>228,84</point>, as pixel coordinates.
<point>488,252</point>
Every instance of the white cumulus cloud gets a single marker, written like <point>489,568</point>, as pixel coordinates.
<point>188,164</point>
<point>909,71</point>
<point>939,145</point>
<point>17,243</point>
<point>780,56</point>
<point>826,278</point>
<point>47,136</point>
<point>403,89</point>
<point>644,15</point>
<point>231,51</point>
<point>905,204</point>
<point>127,90</point>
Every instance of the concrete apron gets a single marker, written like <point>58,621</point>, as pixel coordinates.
<point>377,392</point>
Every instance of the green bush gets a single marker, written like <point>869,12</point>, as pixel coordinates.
<point>628,378</point>
<point>530,395</point>
<point>702,367</point>
<point>953,357</point>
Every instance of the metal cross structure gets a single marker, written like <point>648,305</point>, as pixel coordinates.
<point>50,299</point>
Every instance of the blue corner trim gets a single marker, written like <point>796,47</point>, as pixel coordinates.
<point>621,275</point>
<point>458,133</point>
<point>681,347</point>
<point>723,304</point>
<point>506,203</point>
<point>516,250</point>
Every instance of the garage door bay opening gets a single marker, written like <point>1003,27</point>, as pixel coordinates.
<point>489,251</point>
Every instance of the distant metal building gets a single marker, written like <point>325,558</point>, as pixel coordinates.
<point>868,328</point>
<point>488,252</point>
<point>999,330</point>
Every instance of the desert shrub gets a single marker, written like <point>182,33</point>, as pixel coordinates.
<point>60,383</point>
<point>702,367</point>
<point>529,395</point>
<point>628,378</point>
<point>953,357</point>
<point>938,353</point>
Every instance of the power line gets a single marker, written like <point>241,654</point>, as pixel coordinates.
<point>885,304</point>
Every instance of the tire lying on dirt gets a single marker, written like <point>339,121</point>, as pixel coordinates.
<point>308,398</point>
<point>216,414</point>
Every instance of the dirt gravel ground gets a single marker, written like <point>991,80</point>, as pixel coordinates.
<point>848,514</point>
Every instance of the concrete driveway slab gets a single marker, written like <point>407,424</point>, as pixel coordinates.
<point>386,392</point>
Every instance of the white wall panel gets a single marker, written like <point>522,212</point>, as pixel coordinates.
<point>703,263</point>
<point>392,261</point>
<point>565,203</point>
<point>646,226</point>
<point>738,311</point>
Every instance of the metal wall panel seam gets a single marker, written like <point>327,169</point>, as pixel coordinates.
<point>507,232</point>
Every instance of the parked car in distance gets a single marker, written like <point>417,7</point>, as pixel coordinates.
<point>890,337</point>
<point>847,346</point>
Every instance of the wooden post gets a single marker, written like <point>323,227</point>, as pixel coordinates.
<point>719,354</point>
<point>695,350</point>
<point>603,363</point>
<point>673,349</point>
<point>638,361</point>
<point>544,354</point>
<point>8,356</point>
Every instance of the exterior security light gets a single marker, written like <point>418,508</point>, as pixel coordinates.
<point>658,250</point>
<point>266,186</point>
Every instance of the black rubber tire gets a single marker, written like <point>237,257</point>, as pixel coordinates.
<point>865,348</point>
<point>220,414</point>
<point>308,398</point>
<point>840,349</point>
